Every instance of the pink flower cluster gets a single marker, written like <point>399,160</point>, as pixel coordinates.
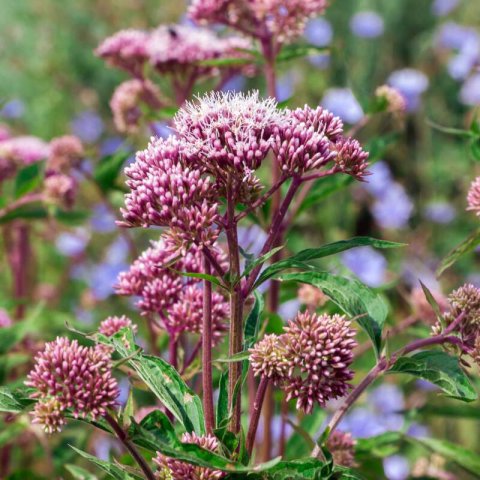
<point>473,197</point>
<point>222,139</point>
<point>342,447</point>
<point>156,280</point>
<point>258,18</point>
<point>171,49</point>
<point>111,325</point>
<point>127,100</point>
<point>69,376</point>
<point>172,469</point>
<point>310,361</point>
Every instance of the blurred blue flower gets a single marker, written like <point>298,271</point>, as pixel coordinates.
<point>84,316</point>
<point>235,84</point>
<point>111,145</point>
<point>367,264</point>
<point>162,129</point>
<point>286,86</point>
<point>416,430</point>
<point>12,109</point>
<point>87,126</point>
<point>367,24</point>
<point>72,244</point>
<point>103,277</point>
<point>251,239</point>
<point>440,212</point>
<point>387,398</point>
<point>288,310</point>
<point>470,91</point>
<point>411,84</point>
<point>415,272</point>
<point>426,386</point>
<point>124,391</point>
<point>319,32</point>
<point>394,208</point>
<point>380,179</point>
<point>361,422</point>
<point>117,252</point>
<point>342,102</point>
<point>321,61</point>
<point>396,467</point>
<point>454,36</point>
<point>102,219</point>
<point>443,7</point>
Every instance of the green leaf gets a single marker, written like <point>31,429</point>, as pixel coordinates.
<point>379,446</point>
<point>290,52</point>
<point>200,276</point>
<point>159,425</point>
<point>238,357</point>
<point>432,302</point>
<point>252,324</point>
<point>466,459</point>
<point>225,62</point>
<point>25,212</point>
<point>455,411</point>
<point>259,261</point>
<point>346,473</point>
<point>112,469</point>
<point>163,380</point>
<point>475,148</point>
<point>439,368</point>
<point>353,297</point>
<point>297,260</point>
<point>28,179</point>
<point>10,431</point>
<point>108,170</point>
<point>307,468</point>
<point>222,403</point>
<point>71,217</point>
<point>467,246</point>
<point>299,444</point>
<point>15,401</point>
<point>79,473</point>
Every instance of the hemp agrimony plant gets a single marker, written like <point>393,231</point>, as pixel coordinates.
<point>211,362</point>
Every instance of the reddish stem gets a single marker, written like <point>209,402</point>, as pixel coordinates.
<point>207,351</point>
<point>256,411</point>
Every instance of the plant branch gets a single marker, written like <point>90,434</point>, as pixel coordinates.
<point>207,351</point>
<point>123,437</point>
<point>256,411</point>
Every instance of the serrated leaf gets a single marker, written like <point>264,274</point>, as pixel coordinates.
<point>298,260</point>
<point>353,297</point>
<point>163,380</point>
<point>108,170</point>
<point>439,368</point>
<point>79,473</point>
<point>467,246</point>
<point>28,179</point>
<point>112,469</point>
<point>15,401</point>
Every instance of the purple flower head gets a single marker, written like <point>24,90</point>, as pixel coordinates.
<point>411,84</point>
<point>284,20</point>
<point>111,325</point>
<point>117,252</point>
<point>5,320</point>
<point>60,189</point>
<point>310,360</point>
<point>87,126</point>
<point>387,398</point>
<point>13,109</point>
<point>361,422</point>
<point>453,36</point>
<point>321,61</point>
<point>441,8</point>
<point>396,467</point>
<point>394,208</point>
<point>289,309</point>
<point>473,197</point>
<point>442,213</point>
<point>342,447</point>
<point>126,49</point>
<point>102,277</point>
<point>342,102</point>
<point>112,145</point>
<point>319,32</point>
<point>470,91</point>
<point>418,431</point>
<point>171,468</point>
<point>65,153</point>
<point>166,191</point>
<point>367,264</point>
<point>69,376</point>
<point>367,25</point>
<point>180,49</point>
<point>379,180</point>
<point>102,219</point>
<point>162,129</point>
<point>251,239</point>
